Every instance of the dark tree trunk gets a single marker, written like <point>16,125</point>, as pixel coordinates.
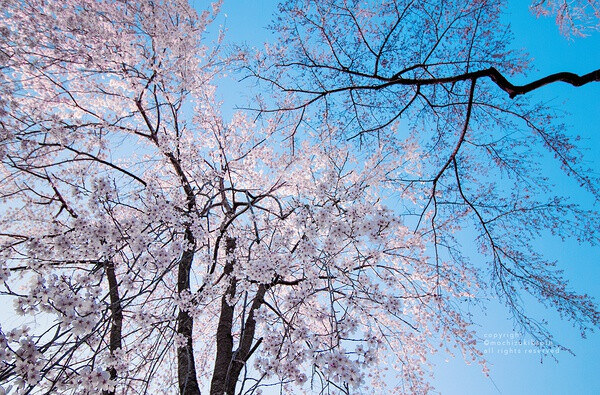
<point>186,367</point>
<point>244,351</point>
<point>229,363</point>
<point>116,312</point>
<point>218,385</point>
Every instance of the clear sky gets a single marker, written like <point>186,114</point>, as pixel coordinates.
<point>519,372</point>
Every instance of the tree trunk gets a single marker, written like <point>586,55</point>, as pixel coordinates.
<point>229,364</point>
<point>218,385</point>
<point>116,311</point>
<point>186,367</point>
<point>244,350</point>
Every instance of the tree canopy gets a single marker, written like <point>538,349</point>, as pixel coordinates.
<point>387,178</point>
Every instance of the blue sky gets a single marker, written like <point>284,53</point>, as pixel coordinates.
<point>520,373</point>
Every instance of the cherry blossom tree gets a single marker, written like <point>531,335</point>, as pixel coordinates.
<point>150,246</point>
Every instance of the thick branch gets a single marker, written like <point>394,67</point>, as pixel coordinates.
<point>491,73</point>
<point>500,80</point>
<point>569,78</point>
